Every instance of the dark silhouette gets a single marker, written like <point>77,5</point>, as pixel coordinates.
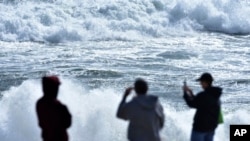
<point>144,113</point>
<point>54,117</point>
<point>207,104</point>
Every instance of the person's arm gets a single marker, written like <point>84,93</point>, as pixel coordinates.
<point>65,120</point>
<point>66,117</point>
<point>191,100</point>
<point>122,109</point>
<point>38,112</point>
<point>198,101</point>
<point>160,113</point>
<point>41,115</point>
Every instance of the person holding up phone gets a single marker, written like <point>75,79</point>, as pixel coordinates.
<point>207,104</point>
<point>144,112</point>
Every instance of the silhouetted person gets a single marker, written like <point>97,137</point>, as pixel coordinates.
<point>144,112</point>
<point>207,104</point>
<point>54,117</point>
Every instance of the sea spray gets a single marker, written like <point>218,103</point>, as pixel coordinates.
<point>70,21</point>
<point>94,114</point>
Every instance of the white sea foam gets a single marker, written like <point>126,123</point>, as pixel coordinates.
<point>93,114</point>
<point>75,20</point>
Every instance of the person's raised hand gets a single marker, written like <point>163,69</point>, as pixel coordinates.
<point>128,91</point>
<point>187,90</point>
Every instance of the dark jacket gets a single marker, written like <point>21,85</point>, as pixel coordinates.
<point>207,104</point>
<point>146,117</point>
<point>54,118</point>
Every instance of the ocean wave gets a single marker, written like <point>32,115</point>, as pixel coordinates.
<point>56,21</point>
<point>93,112</point>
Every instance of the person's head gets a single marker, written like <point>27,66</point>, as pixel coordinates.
<point>205,80</point>
<point>50,85</point>
<point>141,86</point>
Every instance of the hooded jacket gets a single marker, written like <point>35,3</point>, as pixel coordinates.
<point>54,119</point>
<point>145,115</point>
<point>207,104</point>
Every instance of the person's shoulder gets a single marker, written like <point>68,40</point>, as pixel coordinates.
<point>132,102</point>
<point>40,101</point>
<point>200,94</point>
<point>215,89</point>
<point>153,97</point>
<point>61,105</point>
<point>145,97</point>
<point>58,103</point>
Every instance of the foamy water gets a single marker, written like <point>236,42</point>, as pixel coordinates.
<point>93,114</point>
<point>76,20</point>
<point>99,47</point>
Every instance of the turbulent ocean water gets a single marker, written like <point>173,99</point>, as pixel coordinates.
<point>99,47</point>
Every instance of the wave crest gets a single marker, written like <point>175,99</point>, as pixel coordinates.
<point>63,20</point>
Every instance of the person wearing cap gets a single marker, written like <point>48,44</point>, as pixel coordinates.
<point>144,113</point>
<point>207,105</point>
<point>53,117</point>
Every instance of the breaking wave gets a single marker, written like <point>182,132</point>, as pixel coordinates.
<point>56,21</point>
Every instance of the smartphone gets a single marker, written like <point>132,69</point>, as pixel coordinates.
<point>185,85</point>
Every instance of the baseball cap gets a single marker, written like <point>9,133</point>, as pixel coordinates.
<point>205,77</point>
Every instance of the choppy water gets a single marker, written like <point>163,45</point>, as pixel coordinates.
<point>99,47</point>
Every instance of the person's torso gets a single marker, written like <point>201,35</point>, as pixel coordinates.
<point>206,117</point>
<point>144,122</point>
<point>51,116</point>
